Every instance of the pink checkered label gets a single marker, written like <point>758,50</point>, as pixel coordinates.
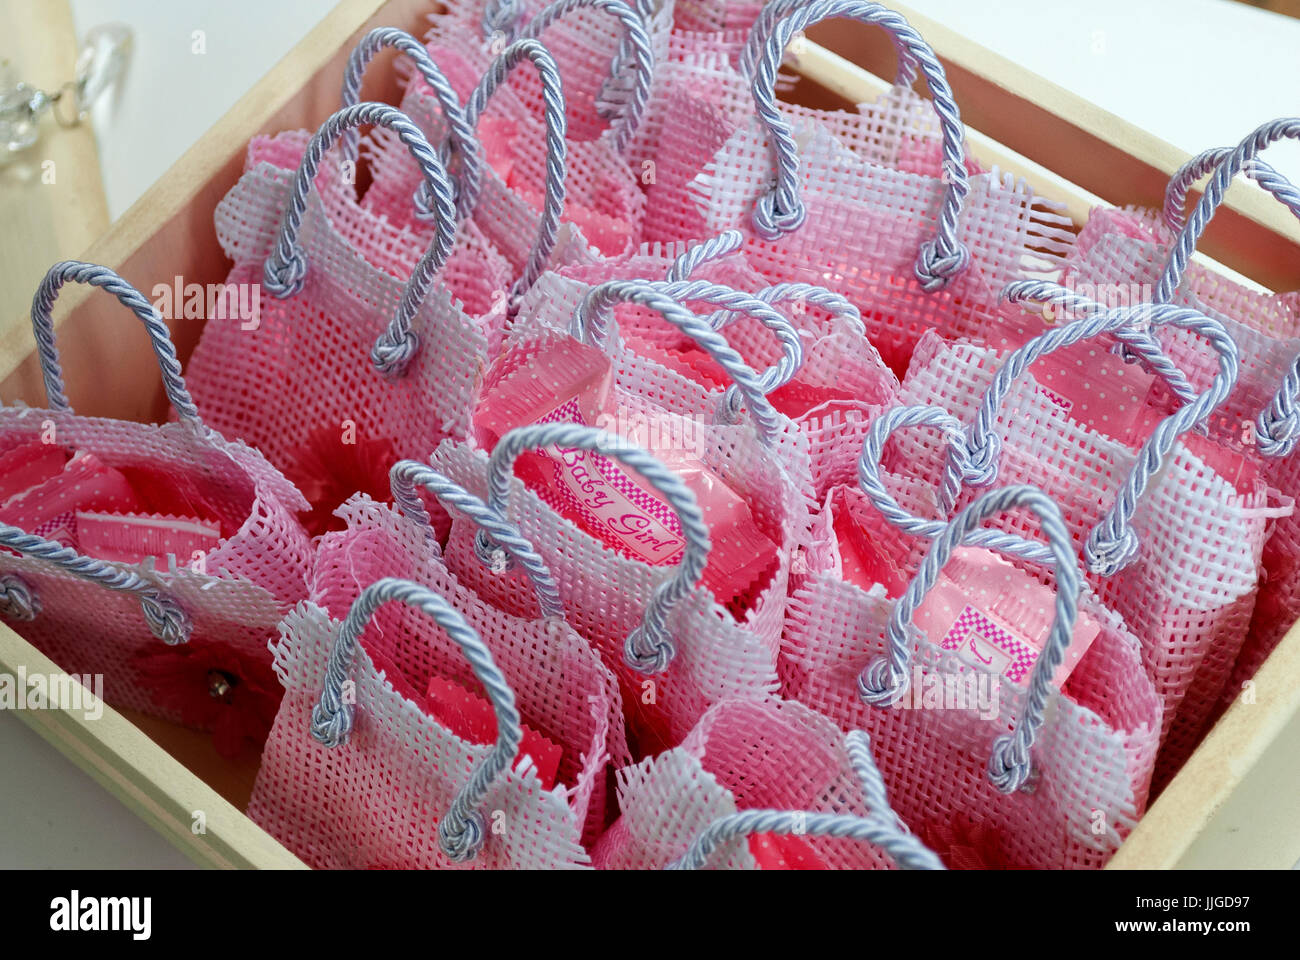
<point>600,491</point>
<point>975,637</point>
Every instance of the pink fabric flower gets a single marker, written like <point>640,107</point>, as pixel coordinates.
<point>214,687</point>
<point>330,470</point>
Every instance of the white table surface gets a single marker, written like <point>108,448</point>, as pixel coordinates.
<point>1197,73</point>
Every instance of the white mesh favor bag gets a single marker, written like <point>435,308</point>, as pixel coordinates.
<point>759,786</point>
<point>875,206</point>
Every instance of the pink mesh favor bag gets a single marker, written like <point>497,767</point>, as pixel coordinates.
<point>606,50</point>
<point>384,755</point>
<point>1171,524</point>
<point>475,272</point>
<point>572,714</point>
<point>725,392</point>
<point>768,786</point>
<point>1145,254</point>
<point>546,196</point>
<point>955,671</point>
<point>161,557</point>
<point>570,700</point>
<point>346,368</point>
<point>556,379</point>
<point>872,205</point>
<point>829,395</point>
<point>392,199</point>
<point>635,590</point>
<point>752,476</point>
<point>705,92</point>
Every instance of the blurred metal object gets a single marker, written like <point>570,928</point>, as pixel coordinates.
<point>100,66</point>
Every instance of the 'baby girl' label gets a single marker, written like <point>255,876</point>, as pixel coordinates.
<point>606,497</point>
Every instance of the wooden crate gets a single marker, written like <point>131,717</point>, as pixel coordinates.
<point>1233,804</point>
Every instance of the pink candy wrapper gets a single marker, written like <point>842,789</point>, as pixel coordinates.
<point>997,617</point>
<point>27,465</point>
<point>774,851</point>
<point>131,537</point>
<point>557,379</point>
<point>992,614</point>
<point>85,482</point>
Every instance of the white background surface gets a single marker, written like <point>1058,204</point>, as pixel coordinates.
<point>1197,73</point>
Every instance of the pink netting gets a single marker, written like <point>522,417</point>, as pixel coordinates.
<point>233,598</point>
<point>752,711</point>
<point>720,655</point>
<point>1125,252</point>
<point>1190,593</point>
<point>583,44</point>
<point>603,202</point>
<point>375,801</point>
<point>872,182</point>
<point>830,402</point>
<point>1093,756</point>
<point>299,383</point>
<point>741,756</point>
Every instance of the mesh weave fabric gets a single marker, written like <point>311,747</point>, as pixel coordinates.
<point>375,801</point>
<point>741,756</point>
<point>1189,594</point>
<point>305,370</point>
<point>1129,248</point>
<point>605,593</point>
<point>1095,751</point>
<point>233,601</point>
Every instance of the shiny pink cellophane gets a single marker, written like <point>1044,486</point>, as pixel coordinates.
<point>721,654</point>
<point>831,401</point>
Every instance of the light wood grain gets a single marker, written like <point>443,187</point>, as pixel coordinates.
<point>51,196</point>
<point>146,778</point>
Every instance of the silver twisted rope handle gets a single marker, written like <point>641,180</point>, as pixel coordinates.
<point>649,648</point>
<point>881,826</point>
<point>406,475</point>
<point>461,133</point>
<point>461,831</point>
